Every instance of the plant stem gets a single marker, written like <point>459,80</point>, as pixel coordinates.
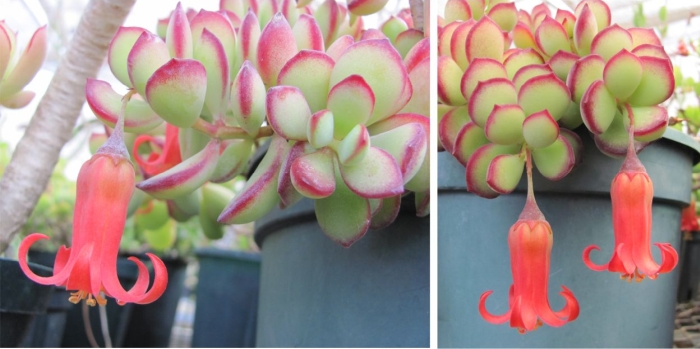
<point>88,327</point>
<point>29,171</point>
<point>105,326</point>
<point>417,13</point>
<point>229,132</point>
<point>528,165</point>
<point>115,143</point>
<point>632,163</point>
<point>531,211</point>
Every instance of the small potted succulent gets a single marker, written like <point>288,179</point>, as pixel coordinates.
<point>345,111</point>
<point>521,90</point>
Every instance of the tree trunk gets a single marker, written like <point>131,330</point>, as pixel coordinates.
<point>51,126</point>
<point>417,12</point>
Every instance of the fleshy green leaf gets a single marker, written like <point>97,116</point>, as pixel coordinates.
<point>376,176</point>
<point>344,217</point>
<point>478,166</point>
<point>313,174</point>
<point>544,92</point>
<point>598,107</point>
<point>555,161</point>
<point>505,124</point>
<point>540,130</point>
<point>504,173</point>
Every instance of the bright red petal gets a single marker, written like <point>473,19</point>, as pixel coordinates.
<point>494,319</point>
<point>589,263</point>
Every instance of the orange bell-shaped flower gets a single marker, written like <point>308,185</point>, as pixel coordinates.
<point>530,241</point>
<point>632,193</point>
<point>89,266</point>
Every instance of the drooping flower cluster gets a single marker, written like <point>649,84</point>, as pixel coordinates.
<point>345,107</point>
<point>513,83</point>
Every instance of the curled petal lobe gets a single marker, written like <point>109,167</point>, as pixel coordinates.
<point>589,263</point>
<point>494,319</point>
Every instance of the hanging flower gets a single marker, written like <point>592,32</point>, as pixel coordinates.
<point>530,241</point>
<point>164,156</point>
<point>89,266</point>
<point>689,218</point>
<point>632,193</point>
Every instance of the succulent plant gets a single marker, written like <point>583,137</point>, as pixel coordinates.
<point>17,70</point>
<point>512,86</point>
<point>345,110</point>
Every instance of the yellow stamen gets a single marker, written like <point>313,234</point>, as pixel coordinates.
<point>101,300</point>
<point>77,296</point>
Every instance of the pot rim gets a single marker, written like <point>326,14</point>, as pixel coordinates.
<point>213,252</point>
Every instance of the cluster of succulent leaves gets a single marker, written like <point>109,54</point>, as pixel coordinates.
<point>345,109</point>
<point>510,80</point>
<point>18,69</point>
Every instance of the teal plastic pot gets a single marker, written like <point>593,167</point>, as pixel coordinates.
<point>473,253</point>
<point>227,299</point>
<point>21,300</point>
<point>315,293</point>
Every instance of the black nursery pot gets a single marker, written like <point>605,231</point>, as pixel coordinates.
<point>315,293</point>
<point>20,301</point>
<point>118,316</point>
<point>151,324</point>
<point>473,253</point>
<point>227,299</point>
<point>689,265</point>
<point>46,330</point>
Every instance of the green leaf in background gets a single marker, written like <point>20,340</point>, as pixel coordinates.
<point>663,13</point>
<point>53,214</point>
<point>677,75</point>
<point>688,84</point>
<point>639,19</point>
<point>152,215</point>
<point>163,237</point>
<point>696,169</point>
<point>692,113</point>
<point>4,156</point>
